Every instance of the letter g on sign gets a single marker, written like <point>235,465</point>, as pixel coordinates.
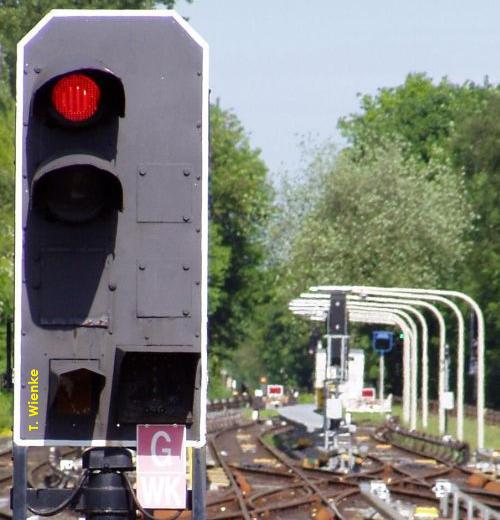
<point>166,458</point>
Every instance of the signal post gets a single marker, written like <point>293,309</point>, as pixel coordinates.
<point>337,354</point>
<point>111,242</point>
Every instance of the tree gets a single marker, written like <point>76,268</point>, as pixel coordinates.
<point>6,209</point>
<point>240,205</point>
<point>476,148</point>
<point>381,218</point>
<point>418,111</point>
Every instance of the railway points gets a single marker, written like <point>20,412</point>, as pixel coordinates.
<point>257,456</point>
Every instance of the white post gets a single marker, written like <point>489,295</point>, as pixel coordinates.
<point>460,353</point>
<point>480,358</point>
<point>381,377</point>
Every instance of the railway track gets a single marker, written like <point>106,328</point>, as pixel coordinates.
<point>278,487</point>
<point>263,481</point>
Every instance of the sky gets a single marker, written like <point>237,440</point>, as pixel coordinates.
<point>289,69</point>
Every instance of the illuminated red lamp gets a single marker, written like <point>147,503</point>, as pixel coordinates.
<point>76,97</point>
<point>275,390</point>
<point>368,393</point>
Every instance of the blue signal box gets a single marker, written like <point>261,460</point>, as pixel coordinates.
<point>382,341</point>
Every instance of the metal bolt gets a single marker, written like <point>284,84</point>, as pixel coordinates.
<point>185,267</point>
<point>37,70</point>
<point>198,125</point>
<point>112,286</point>
<point>142,172</point>
<point>142,267</point>
<point>185,312</point>
<point>186,173</point>
<point>186,219</point>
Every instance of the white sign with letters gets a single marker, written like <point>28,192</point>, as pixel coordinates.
<point>161,466</point>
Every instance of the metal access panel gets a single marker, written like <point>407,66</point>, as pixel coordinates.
<point>111,296</point>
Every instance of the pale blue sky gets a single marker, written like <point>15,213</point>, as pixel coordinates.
<point>290,68</point>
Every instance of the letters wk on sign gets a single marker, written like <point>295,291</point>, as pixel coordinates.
<point>161,466</point>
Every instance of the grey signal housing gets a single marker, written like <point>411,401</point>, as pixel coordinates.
<point>337,325</point>
<point>111,231</point>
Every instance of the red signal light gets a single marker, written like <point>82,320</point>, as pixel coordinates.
<point>76,97</point>
<point>369,393</point>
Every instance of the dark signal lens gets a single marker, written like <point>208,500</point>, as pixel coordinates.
<point>76,97</point>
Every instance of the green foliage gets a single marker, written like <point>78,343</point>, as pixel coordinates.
<point>277,345</point>
<point>219,262</point>
<point>240,199</point>
<point>216,387</point>
<point>418,112</point>
<point>305,398</point>
<point>6,208</point>
<point>381,219</point>
<point>476,148</point>
<point>6,412</point>
<point>372,214</point>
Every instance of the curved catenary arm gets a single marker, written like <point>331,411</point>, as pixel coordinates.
<point>425,334</point>
<point>442,343</point>
<point>410,395</point>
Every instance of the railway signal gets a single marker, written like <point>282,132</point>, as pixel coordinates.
<point>111,241</point>
<point>337,329</point>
